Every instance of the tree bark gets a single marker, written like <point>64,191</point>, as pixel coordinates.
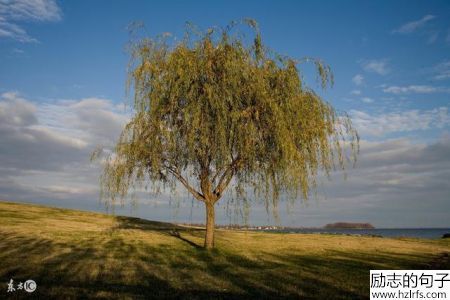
<point>209,237</point>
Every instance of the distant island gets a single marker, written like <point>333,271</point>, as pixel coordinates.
<point>347,225</point>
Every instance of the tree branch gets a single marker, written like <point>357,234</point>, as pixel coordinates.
<point>193,191</point>
<point>225,179</point>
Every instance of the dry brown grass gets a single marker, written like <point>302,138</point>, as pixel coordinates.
<point>75,254</point>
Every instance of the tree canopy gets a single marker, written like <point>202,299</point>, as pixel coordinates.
<point>216,108</point>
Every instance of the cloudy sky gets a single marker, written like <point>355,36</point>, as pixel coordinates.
<point>62,93</point>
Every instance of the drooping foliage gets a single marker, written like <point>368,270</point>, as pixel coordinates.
<point>217,108</point>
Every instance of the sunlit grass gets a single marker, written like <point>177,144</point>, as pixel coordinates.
<point>74,254</point>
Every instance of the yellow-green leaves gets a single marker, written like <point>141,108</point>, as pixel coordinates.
<point>217,106</point>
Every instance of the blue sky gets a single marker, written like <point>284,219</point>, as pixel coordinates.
<point>62,80</point>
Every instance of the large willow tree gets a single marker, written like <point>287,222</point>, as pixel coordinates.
<point>218,109</point>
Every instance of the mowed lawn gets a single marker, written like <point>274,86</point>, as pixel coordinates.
<point>76,254</point>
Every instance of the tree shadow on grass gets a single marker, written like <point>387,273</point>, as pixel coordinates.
<point>108,266</point>
<point>170,229</point>
<point>137,223</point>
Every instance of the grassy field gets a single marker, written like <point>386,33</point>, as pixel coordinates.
<point>75,254</point>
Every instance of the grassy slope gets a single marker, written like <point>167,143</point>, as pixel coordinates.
<point>80,254</point>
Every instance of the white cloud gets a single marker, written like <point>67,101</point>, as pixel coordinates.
<point>355,92</point>
<point>16,111</point>
<point>416,89</point>
<point>14,31</point>
<point>30,10</point>
<point>414,25</point>
<point>442,70</point>
<point>45,147</point>
<point>366,100</point>
<point>395,122</point>
<point>358,79</point>
<point>379,66</point>
<point>54,134</point>
<point>45,150</point>
<point>388,185</point>
<point>93,120</point>
<point>14,11</point>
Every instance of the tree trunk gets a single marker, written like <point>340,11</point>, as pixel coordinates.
<point>209,237</point>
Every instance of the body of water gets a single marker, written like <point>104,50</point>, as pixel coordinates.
<point>427,233</point>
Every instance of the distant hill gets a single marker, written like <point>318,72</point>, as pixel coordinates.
<point>348,225</point>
